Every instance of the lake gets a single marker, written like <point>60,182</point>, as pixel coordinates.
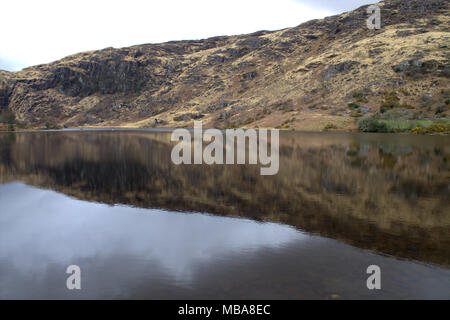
<point>140,227</point>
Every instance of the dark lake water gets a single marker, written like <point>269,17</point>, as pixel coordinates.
<point>138,226</point>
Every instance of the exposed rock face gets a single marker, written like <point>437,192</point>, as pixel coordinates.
<point>320,62</point>
<point>336,69</point>
<point>417,67</point>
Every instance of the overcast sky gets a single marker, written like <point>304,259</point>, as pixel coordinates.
<point>34,32</point>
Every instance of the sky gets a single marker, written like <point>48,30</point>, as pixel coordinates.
<point>35,32</point>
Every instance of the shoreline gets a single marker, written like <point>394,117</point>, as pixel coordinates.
<point>170,129</point>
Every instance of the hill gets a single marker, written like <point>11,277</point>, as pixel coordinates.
<point>322,73</point>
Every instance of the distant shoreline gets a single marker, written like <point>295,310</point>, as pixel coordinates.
<point>167,129</point>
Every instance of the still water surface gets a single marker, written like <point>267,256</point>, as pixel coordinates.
<point>140,227</point>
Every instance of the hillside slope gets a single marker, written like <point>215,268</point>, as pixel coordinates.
<point>303,78</point>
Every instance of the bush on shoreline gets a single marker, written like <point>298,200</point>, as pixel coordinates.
<point>434,128</point>
<point>372,125</point>
<point>51,126</point>
<point>7,117</point>
<point>413,126</point>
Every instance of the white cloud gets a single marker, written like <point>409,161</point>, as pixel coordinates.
<point>338,6</point>
<point>35,32</point>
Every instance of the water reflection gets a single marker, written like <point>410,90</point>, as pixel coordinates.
<point>127,252</point>
<point>385,193</point>
<point>388,193</point>
<point>53,225</point>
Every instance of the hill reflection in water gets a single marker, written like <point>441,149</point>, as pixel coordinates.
<point>387,193</point>
<point>135,253</point>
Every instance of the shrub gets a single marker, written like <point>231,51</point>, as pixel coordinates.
<point>358,95</point>
<point>329,126</point>
<point>363,124</point>
<point>433,128</point>
<point>440,109</point>
<point>372,125</point>
<point>378,126</point>
<point>353,105</point>
<point>391,100</point>
<point>7,116</point>
<point>51,125</point>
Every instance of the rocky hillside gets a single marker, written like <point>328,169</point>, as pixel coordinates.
<point>323,72</point>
